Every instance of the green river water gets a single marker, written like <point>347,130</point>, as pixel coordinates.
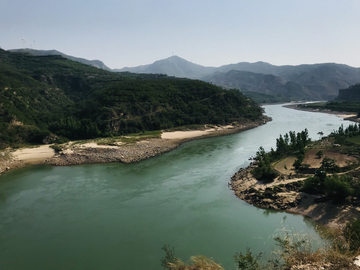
<point>116,216</point>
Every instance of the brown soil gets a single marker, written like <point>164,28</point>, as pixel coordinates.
<point>341,159</point>
<point>285,166</point>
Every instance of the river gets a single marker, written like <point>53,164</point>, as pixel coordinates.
<point>116,216</point>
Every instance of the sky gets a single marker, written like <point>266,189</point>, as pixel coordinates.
<point>127,33</point>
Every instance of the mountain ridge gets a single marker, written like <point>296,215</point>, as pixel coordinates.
<point>320,81</point>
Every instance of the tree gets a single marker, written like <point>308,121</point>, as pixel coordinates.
<point>320,154</point>
<point>298,161</point>
<point>329,165</point>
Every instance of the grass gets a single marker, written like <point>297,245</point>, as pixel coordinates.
<point>130,138</point>
<point>354,140</point>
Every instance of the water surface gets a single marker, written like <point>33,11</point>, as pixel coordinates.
<point>116,216</point>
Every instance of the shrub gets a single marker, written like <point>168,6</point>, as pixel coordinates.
<point>170,262</point>
<point>329,165</point>
<point>320,154</point>
<point>338,188</point>
<point>264,172</point>
<point>247,261</point>
<point>312,185</point>
<point>352,234</point>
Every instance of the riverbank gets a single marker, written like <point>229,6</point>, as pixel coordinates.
<point>350,116</point>
<point>75,153</point>
<point>284,195</point>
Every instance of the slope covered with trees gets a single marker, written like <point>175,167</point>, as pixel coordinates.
<point>44,95</point>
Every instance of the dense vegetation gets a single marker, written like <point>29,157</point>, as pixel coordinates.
<point>44,95</point>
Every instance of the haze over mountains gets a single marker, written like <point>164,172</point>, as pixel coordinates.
<point>261,81</point>
<point>302,82</point>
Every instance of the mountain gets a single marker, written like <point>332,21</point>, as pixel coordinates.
<point>258,82</point>
<point>45,95</point>
<point>94,63</point>
<point>302,82</point>
<point>173,66</point>
<point>277,83</point>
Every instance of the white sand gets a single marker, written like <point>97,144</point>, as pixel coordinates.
<point>193,133</point>
<point>346,115</point>
<point>94,145</point>
<point>34,155</point>
<point>185,134</point>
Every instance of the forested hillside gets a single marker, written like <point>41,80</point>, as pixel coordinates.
<point>350,94</point>
<point>45,95</point>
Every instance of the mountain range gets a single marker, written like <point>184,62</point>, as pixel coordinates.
<point>301,82</point>
<point>261,81</point>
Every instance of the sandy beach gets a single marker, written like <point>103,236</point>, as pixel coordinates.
<point>192,134</point>
<point>34,155</point>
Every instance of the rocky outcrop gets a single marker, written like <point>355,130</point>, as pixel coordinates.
<point>279,197</point>
<point>7,162</point>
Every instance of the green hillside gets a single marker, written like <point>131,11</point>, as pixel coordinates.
<point>44,95</point>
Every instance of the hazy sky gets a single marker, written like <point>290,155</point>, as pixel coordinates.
<point>207,32</point>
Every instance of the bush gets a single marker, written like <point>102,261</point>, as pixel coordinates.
<point>312,185</point>
<point>320,154</point>
<point>247,261</point>
<point>352,234</point>
<point>170,262</point>
<point>329,165</point>
<point>298,161</point>
<point>264,172</point>
<point>338,188</point>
